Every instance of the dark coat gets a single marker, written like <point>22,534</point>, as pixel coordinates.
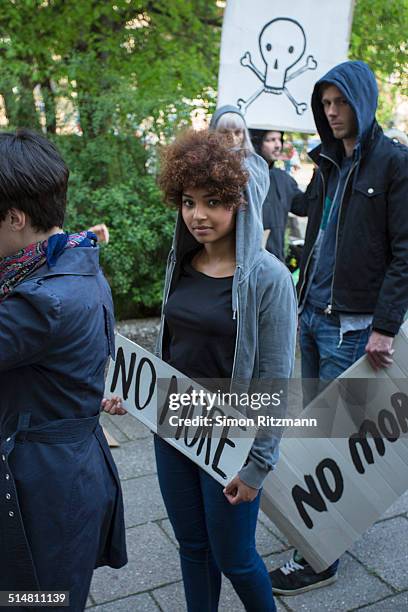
<point>60,498</point>
<point>371,257</point>
<point>278,203</point>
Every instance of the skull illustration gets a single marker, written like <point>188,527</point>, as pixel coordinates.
<point>282,43</point>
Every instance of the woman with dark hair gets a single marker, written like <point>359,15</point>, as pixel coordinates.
<point>60,498</point>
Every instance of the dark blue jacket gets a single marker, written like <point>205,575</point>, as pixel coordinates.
<point>60,499</point>
<point>370,272</point>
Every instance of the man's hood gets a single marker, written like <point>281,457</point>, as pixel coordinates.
<point>357,83</point>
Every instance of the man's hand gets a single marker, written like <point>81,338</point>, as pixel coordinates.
<point>113,405</point>
<point>237,492</point>
<point>379,351</point>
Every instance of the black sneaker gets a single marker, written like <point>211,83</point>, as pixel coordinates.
<point>297,576</point>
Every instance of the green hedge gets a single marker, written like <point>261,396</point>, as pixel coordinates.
<point>109,184</point>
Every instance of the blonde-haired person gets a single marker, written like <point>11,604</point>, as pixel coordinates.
<point>230,121</point>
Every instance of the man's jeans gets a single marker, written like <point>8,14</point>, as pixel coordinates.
<point>214,536</point>
<point>325,355</point>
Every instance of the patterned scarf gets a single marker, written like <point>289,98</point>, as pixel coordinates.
<point>17,267</point>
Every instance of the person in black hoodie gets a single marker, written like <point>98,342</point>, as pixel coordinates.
<point>282,191</point>
<point>353,286</point>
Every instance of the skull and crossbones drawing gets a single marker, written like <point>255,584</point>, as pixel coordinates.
<point>282,43</point>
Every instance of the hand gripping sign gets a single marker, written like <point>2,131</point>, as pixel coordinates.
<point>180,411</point>
<point>272,53</point>
<point>326,491</point>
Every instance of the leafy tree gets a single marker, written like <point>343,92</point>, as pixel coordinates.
<point>130,73</point>
<point>379,37</point>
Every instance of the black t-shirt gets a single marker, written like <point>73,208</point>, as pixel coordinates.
<point>201,328</point>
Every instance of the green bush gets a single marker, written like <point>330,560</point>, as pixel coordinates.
<point>109,184</point>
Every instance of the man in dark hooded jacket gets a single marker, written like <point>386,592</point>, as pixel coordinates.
<point>280,199</point>
<point>353,287</point>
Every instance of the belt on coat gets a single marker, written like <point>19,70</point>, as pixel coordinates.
<point>13,532</point>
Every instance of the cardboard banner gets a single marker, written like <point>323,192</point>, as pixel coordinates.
<point>146,383</point>
<point>326,492</point>
<point>272,54</point>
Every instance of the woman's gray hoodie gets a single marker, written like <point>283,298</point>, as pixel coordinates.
<point>264,304</point>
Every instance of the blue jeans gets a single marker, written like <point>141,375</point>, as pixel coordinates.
<point>213,535</point>
<point>324,356</point>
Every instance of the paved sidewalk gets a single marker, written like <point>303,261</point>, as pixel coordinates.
<point>373,575</point>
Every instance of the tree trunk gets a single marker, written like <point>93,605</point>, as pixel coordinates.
<point>26,114</point>
<point>49,106</point>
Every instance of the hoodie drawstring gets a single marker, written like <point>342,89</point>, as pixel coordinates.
<point>235,282</point>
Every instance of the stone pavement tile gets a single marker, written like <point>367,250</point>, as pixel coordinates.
<point>266,542</point>
<point>153,561</point>
<point>272,527</point>
<point>166,526</point>
<point>131,427</point>
<point>383,549</point>
<point>398,507</point>
<point>280,607</point>
<point>171,598</point>
<point>137,603</point>
<point>135,458</point>
<point>397,603</point>
<point>143,500</point>
<point>354,587</point>
<point>108,422</point>
<point>142,331</point>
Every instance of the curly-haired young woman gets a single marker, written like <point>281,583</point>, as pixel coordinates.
<point>229,312</point>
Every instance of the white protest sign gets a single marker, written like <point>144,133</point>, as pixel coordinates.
<point>272,54</point>
<point>325,492</point>
<point>145,383</point>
